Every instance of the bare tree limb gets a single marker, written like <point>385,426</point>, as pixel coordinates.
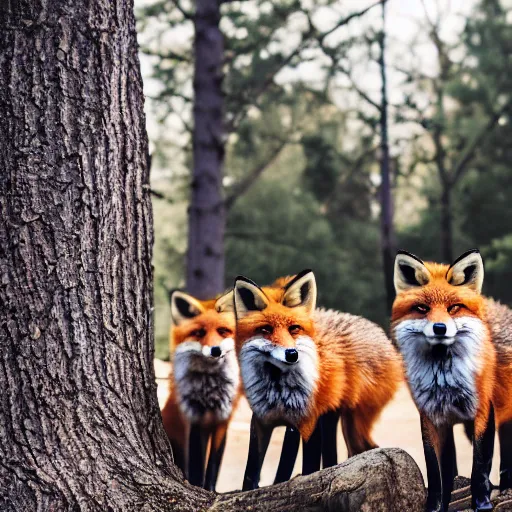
<point>350,17</point>
<point>187,15</point>
<point>356,88</point>
<point>168,54</point>
<point>162,196</point>
<point>469,152</point>
<point>245,184</point>
<point>307,36</point>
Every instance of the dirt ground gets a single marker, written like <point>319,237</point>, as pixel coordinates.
<point>399,426</point>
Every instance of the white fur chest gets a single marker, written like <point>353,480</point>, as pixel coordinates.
<point>206,385</point>
<point>443,382</point>
<point>278,392</point>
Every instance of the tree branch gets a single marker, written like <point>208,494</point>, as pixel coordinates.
<point>308,35</point>
<point>245,184</point>
<point>187,15</point>
<point>469,152</point>
<point>161,195</point>
<point>350,17</point>
<point>169,54</point>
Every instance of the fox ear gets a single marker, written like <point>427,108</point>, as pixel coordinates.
<point>467,270</point>
<point>184,307</point>
<point>249,297</point>
<point>301,291</point>
<point>410,272</point>
<point>224,304</point>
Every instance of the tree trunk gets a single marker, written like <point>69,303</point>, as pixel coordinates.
<point>80,427</point>
<point>386,199</point>
<point>446,223</point>
<point>207,216</point>
<point>79,421</point>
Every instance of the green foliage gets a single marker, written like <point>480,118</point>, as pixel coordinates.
<point>276,231</point>
<point>314,204</point>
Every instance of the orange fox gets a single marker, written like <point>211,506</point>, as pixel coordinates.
<point>457,351</point>
<point>298,363</point>
<point>205,384</point>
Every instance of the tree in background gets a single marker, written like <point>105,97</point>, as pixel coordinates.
<point>252,62</point>
<point>80,424</point>
<point>456,124</point>
<point>304,149</point>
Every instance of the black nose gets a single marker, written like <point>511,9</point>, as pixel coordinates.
<point>291,355</point>
<point>439,329</point>
<point>215,351</point>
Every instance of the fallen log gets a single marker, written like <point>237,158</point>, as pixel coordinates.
<point>385,479</point>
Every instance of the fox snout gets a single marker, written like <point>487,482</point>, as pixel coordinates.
<point>288,356</point>
<point>216,351</point>
<point>440,332</point>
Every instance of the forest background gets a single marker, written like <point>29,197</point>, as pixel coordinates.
<point>324,135</point>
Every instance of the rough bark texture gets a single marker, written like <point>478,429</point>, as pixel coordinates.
<point>388,248</point>
<point>379,480</point>
<point>207,216</point>
<point>80,427</point>
<point>79,420</point>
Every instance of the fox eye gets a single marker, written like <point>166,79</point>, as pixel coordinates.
<point>421,308</point>
<point>224,331</point>
<point>454,308</point>
<point>294,329</point>
<point>265,330</point>
<point>198,333</point>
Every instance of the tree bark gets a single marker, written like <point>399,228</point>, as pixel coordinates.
<point>79,421</point>
<point>207,215</point>
<point>80,427</point>
<point>386,198</point>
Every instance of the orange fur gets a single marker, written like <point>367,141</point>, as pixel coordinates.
<point>175,424</point>
<point>439,294</point>
<point>347,382</point>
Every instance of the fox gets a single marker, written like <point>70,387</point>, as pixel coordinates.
<point>456,346</point>
<point>204,386</point>
<point>298,363</point>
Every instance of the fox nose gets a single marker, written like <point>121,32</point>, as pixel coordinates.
<point>216,351</point>
<point>291,355</point>
<point>439,329</point>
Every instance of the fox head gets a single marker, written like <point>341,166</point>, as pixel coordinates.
<point>439,300</point>
<point>206,326</point>
<point>438,323</point>
<point>274,341</point>
<point>205,368</point>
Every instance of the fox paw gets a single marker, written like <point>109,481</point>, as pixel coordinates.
<point>481,505</point>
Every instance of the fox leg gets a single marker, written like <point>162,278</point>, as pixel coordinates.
<point>288,457</point>
<point>483,448</point>
<point>198,441</point>
<point>329,426</point>
<point>217,445</point>
<point>357,426</point>
<point>505,433</point>
<point>312,451</point>
<point>448,458</point>
<point>258,444</point>
<point>431,448</point>
<point>177,431</point>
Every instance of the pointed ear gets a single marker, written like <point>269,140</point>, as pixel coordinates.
<point>410,272</point>
<point>184,307</point>
<point>224,304</point>
<point>249,297</point>
<point>467,270</point>
<point>301,291</point>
